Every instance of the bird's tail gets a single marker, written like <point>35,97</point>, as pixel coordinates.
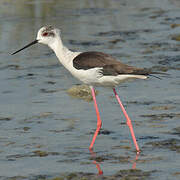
<point>161,74</point>
<point>149,72</point>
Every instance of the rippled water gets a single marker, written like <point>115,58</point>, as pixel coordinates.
<point>45,133</point>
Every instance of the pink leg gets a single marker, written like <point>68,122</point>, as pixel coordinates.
<point>128,120</point>
<point>99,123</point>
<point>93,155</point>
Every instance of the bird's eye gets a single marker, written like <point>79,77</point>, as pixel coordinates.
<point>45,34</point>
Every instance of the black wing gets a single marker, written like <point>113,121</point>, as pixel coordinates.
<point>111,66</point>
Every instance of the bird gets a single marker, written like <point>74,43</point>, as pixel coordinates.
<point>94,69</point>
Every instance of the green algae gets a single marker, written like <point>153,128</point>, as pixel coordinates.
<point>129,174</point>
<point>175,25</point>
<point>161,116</point>
<point>126,174</point>
<point>40,153</point>
<point>171,144</point>
<point>176,37</point>
<point>81,92</point>
<point>159,108</point>
<point>58,178</point>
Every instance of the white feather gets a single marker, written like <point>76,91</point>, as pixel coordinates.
<point>92,76</point>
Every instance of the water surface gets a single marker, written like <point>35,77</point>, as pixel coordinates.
<point>44,132</point>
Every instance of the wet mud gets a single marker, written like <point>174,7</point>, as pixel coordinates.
<point>81,92</point>
<point>129,174</point>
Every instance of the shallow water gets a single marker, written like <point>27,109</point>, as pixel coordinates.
<point>45,133</point>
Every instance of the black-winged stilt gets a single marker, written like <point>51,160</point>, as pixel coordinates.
<point>92,68</point>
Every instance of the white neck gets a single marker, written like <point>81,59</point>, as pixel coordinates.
<point>64,55</point>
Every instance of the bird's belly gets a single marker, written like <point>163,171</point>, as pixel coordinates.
<point>89,77</point>
<point>116,80</point>
<point>95,77</point>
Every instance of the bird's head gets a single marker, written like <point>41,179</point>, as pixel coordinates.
<point>46,35</point>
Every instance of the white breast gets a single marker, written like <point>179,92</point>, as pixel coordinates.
<point>90,76</point>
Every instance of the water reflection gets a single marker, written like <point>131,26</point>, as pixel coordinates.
<point>134,161</point>
<point>99,169</point>
<point>93,155</point>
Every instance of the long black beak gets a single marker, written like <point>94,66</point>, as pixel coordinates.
<point>30,44</point>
